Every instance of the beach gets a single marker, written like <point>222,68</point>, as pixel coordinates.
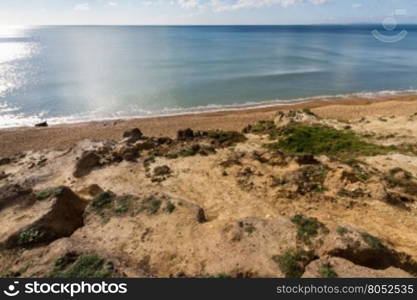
<point>60,137</point>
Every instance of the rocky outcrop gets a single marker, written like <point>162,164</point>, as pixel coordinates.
<point>86,163</point>
<point>295,116</point>
<point>42,218</point>
<point>342,268</point>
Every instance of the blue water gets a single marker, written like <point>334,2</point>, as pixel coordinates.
<point>76,73</point>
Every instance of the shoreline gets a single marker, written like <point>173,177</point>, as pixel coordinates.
<point>62,136</point>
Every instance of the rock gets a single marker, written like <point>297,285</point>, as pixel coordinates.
<point>148,145</point>
<point>398,199</point>
<point>185,135</point>
<point>201,216</point>
<point>10,194</point>
<point>164,141</point>
<point>51,214</point>
<point>297,116</point>
<point>42,124</point>
<point>87,162</point>
<point>162,170</point>
<point>342,268</point>
<point>132,136</point>
<point>3,175</point>
<point>306,159</point>
<point>5,161</point>
<point>92,190</point>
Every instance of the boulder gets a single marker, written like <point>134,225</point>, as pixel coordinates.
<point>46,216</point>
<point>86,163</point>
<point>132,136</point>
<point>42,124</point>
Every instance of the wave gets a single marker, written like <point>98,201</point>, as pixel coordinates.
<point>9,119</point>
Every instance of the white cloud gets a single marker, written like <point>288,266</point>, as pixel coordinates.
<point>112,3</point>
<point>357,5</point>
<point>82,7</point>
<point>238,4</point>
<point>189,3</point>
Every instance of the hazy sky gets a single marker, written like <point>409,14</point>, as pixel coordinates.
<point>24,12</point>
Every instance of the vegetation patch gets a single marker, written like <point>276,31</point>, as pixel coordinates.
<point>29,237</point>
<point>47,193</point>
<point>298,139</point>
<point>372,241</point>
<point>170,207</point>
<point>342,230</point>
<point>151,205</point>
<point>83,266</point>
<point>307,227</point>
<point>226,138</point>
<point>102,200</point>
<point>292,263</point>
<point>327,271</point>
<point>122,205</point>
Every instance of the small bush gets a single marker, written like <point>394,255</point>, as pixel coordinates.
<point>307,227</point>
<point>292,263</point>
<point>372,241</point>
<point>341,230</point>
<point>29,237</point>
<point>47,193</point>
<point>151,205</point>
<point>226,138</point>
<point>85,266</point>
<point>122,205</point>
<point>326,271</point>
<point>170,207</point>
<point>102,200</point>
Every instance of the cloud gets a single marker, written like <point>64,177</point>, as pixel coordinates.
<point>357,5</point>
<point>189,3</point>
<point>218,5</point>
<point>112,3</point>
<point>82,7</point>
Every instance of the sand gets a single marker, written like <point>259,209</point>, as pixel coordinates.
<point>63,136</point>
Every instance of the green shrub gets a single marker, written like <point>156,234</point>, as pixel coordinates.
<point>317,140</point>
<point>47,193</point>
<point>326,271</point>
<point>292,263</point>
<point>226,138</point>
<point>341,230</point>
<point>170,207</point>
<point>307,227</point>
<point>85,266</point>
<point>151,205</point>
<point>372,241</point>
<point>102,200</point>
<point>122,205</point>
<point>29,237</point>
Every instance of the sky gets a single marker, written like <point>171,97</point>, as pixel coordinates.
<point>204,12</point>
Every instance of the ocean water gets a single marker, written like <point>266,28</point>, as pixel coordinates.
<point>77,73</point>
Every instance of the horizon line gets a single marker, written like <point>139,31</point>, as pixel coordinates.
<point>207,25</point>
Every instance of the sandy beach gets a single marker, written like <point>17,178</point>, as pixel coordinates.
<point>63,136</point>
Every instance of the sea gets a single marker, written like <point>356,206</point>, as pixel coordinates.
<point>67,74</point>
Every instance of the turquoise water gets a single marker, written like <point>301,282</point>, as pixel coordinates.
<point>77,73</point>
